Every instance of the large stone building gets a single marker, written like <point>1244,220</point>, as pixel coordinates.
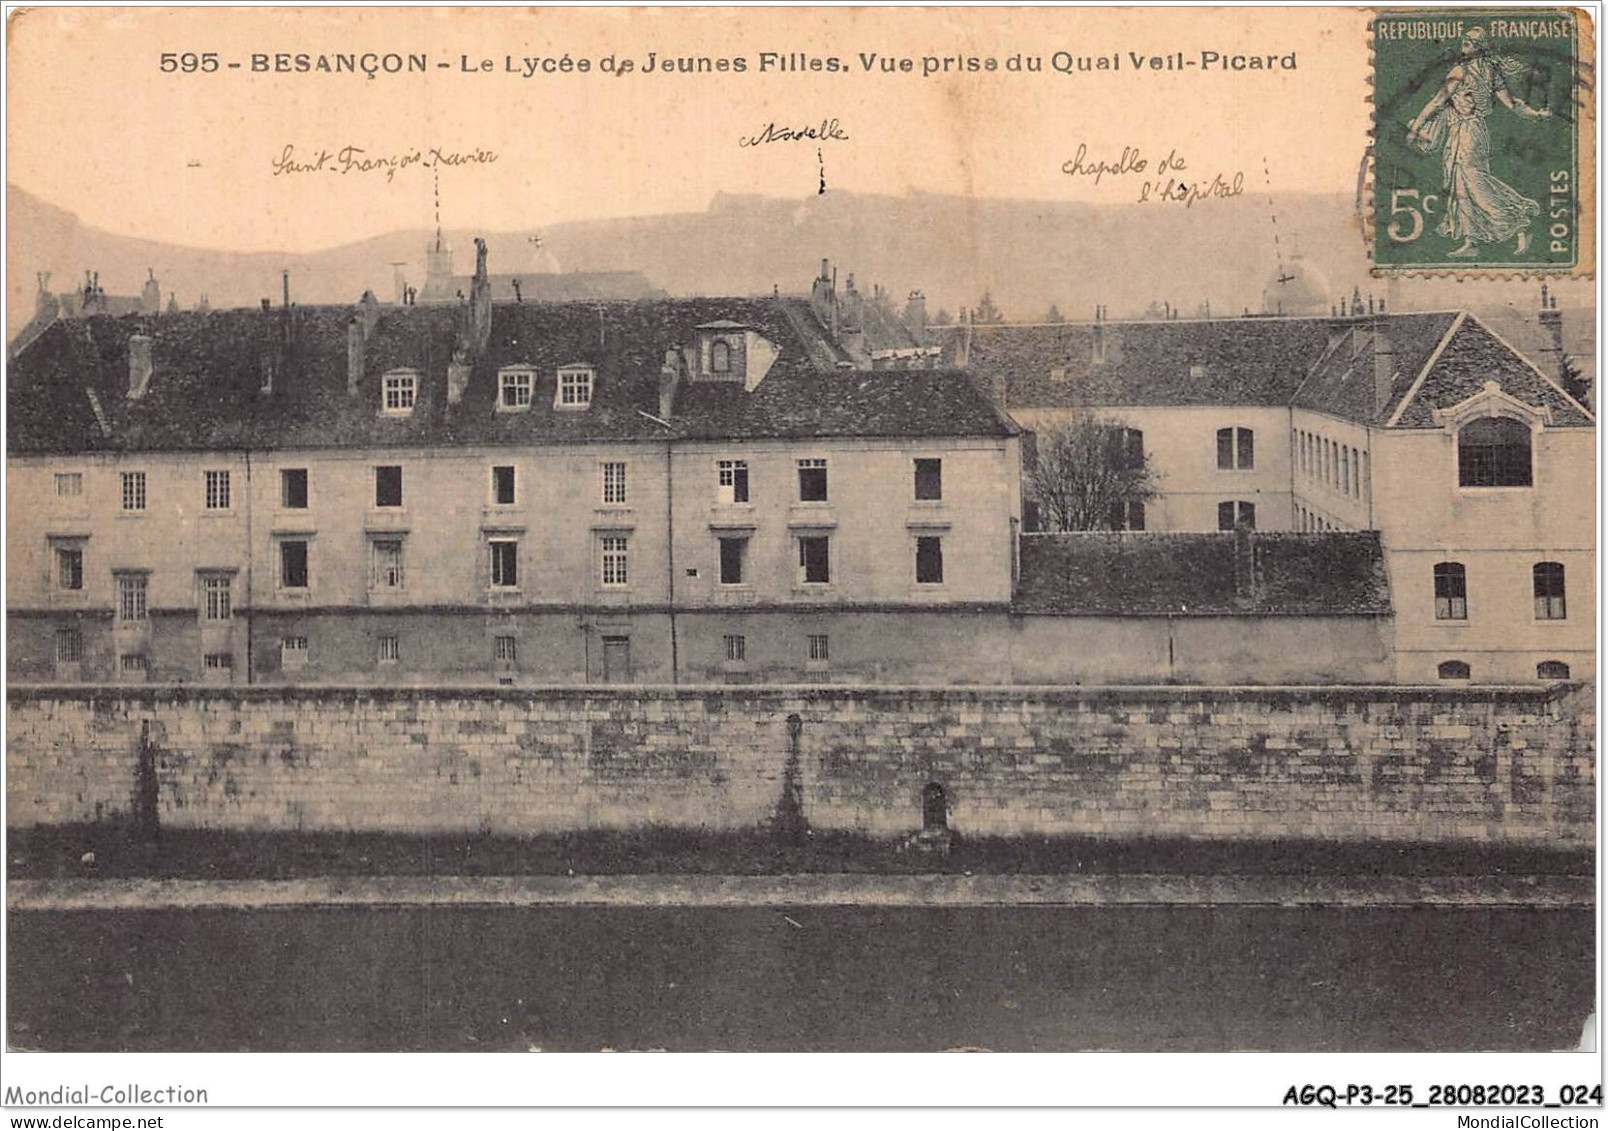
<point>1472,463</point>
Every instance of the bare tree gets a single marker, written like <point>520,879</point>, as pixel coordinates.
<point>1091,473</point>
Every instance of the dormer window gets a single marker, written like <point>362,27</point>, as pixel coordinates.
<point>1494,451</point>
<point>574,387</point>
<point>516,388</point>
<point>719,357</point>
<point>401,391</point>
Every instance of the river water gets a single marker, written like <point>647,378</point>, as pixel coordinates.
<point>801,979</point>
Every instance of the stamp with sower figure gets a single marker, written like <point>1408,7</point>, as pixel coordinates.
<point>1482,135</point>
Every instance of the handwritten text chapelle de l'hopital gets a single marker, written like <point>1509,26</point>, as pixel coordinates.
<point>1062,62</point>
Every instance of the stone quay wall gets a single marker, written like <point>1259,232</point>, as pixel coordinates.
<point>1434,764</point>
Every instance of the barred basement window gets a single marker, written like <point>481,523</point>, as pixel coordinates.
<point>1549,603</point>
<point>819,648</point>
<point>217,490</point>
<point>133,490</point>
<point>69,646</point>
<point>218,661</point>
<point>1452,669</point>
<point>1451,592</point>
<point>131,663</point>
<point>1552,669</point>
<point>736,649</point>
<point>390,650</point>
<point>505,649</point>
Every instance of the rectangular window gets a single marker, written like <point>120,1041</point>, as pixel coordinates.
<point>504,563</point>
<point>293,488</point>
<point>390,649</point>
<point>812,481</point>
<point>293,652</point>
<point>401,390</point>
<point>733,551</point>
<point>1128,515</point>
<point>69,484</point>
<point>218,661</point>
<point>293,564</point>
<point>929,479</point>
<point>516,389</point>
<point>819,650</point>
<point>388,486</point>
<point>1451,592</point>
<point>614,483</point>
<point>133,490</point>
<point>69,567</point>
<point>1125,449</point>
<point>217,483</point>
<point>1232,515</point>
<point>387,564</point>
<point>502,485</point>
<point>736,649</point>
<point>69,646</point>
<point>615,564</point>
<point>929,560</point>
<point>733,480</point>
<point>505,649</point>
<point>217,596</point>
<point>131,589</point>
<point>1236,450</point>
<point>1549,602</point>
<point>815,559</point>
<point>574,388</point>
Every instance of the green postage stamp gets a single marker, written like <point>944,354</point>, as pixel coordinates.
<point>1483,140</point>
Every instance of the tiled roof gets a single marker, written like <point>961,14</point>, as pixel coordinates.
<point>847,402</point>
<point>1194,574</point>
<point>1474,356</point>
<point>1342,383</point>
<point>565,286</point>
<point>1239,361</point>
<point>204,392</point>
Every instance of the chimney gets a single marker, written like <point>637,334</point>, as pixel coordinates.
<point>459,370</point>
<point>151,294</point>
<point>139,365</point>
<point>354,357</point>
<point>1244,566</point>
<point>915,315</point>
<point>963,354</point>
<point>1097,333</point>
<point>479,304</point>
<point>1551,320</point>
<point>1384,356</point>
<point>368,313</point>
<point>669,383</point>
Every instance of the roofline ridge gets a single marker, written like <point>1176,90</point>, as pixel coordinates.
<point>1429,363</point>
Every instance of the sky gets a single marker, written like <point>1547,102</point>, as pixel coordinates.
<point>97,127</point>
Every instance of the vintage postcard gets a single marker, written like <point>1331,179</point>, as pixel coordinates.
<point>801,530</point>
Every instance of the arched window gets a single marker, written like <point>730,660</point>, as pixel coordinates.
<point>1493,451</point>
<point>1451,591</point>
<point>720,357</point>
<point>1549,603</point>
<point>1552,669</point>
<point>1453,669</point>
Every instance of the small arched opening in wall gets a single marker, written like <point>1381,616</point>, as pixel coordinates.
<point>934,807</point>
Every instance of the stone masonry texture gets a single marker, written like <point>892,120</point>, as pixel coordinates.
<point>1468,764</point>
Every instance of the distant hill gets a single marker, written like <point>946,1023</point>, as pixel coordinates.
<point>1026,254</point>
